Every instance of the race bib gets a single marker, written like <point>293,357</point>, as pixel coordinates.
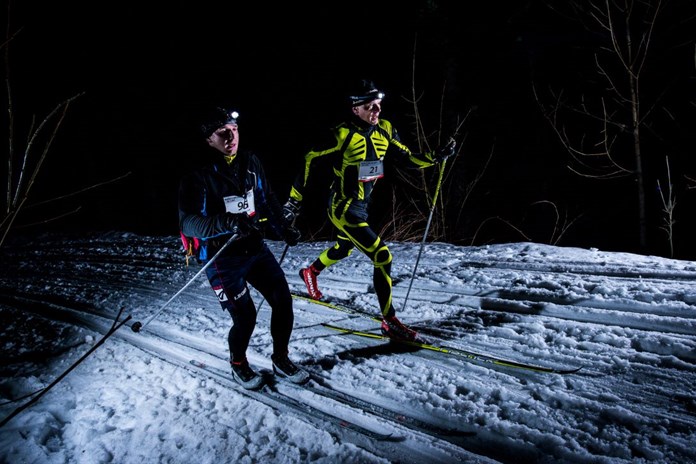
<point>371,170</point>
<point>241,204</point>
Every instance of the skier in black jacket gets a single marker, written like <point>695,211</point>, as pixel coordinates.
<point>231,197</point>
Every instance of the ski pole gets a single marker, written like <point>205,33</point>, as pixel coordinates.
<point>282,256</point>
<point>427,228</point>
<point>137,325</point>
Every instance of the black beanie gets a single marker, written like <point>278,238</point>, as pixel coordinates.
<point>216,117</point>
<point>364,91</point>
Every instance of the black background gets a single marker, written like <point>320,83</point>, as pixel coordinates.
<point>147,67</point>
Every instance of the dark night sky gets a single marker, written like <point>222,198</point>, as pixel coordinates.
<point>146,69</point>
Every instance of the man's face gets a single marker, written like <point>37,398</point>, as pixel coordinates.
<point>225,139</point>
<point>369,112</point>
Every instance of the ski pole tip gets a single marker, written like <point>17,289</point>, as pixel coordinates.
<point>137,325</point>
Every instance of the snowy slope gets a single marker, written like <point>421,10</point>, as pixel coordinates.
<point>628,321</point>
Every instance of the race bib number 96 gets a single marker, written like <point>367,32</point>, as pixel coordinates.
<point>241,204</point>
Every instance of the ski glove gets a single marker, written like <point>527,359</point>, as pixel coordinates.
<point>240,224</point>
<point>291,235</point>
<point>291,210</point>
<point>442,153</point>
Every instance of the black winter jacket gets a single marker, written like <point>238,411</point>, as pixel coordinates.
<point>213,199</point>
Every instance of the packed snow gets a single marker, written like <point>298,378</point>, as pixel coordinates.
<point>72,394</point>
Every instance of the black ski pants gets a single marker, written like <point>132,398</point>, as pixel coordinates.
<point>229,276</point>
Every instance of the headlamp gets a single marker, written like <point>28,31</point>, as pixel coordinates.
<point>374,94</point>
<point>231,117</point>
<point>216,118</point>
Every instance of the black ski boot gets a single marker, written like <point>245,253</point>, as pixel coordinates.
<point>246,376</point>
<point>283,367</point>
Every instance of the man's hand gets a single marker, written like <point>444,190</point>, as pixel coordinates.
<point>240,224</point>
<point>442,153</point>
<point>292,236</point>
<point>291,210</point>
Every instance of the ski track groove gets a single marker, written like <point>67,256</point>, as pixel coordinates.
<point>177,349</point>
<point>503,306</point>
<point>633,314</point>
<point>608,313</point>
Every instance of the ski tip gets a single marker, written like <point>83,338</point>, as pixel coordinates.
<point>376,435</point>
<point>390,437</point>
<point>458,433</point>
<point>568,371</point>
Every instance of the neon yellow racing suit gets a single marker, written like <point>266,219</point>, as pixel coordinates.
<point>356,156</point>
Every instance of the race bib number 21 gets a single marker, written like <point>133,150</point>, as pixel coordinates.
<point>371,170</point>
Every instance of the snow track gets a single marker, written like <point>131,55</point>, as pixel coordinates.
<point>632,330</point>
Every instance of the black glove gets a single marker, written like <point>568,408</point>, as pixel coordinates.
<point>442,153</point>
<point>240,224</point>
<point>291,235</point>
<point>291,209</point>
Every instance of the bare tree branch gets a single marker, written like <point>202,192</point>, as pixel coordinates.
<point>21,189</point>
<point>668,204</point>
<point>22,176</point>
<point>628,27</point>
<point>77,192</point>
<point>51,219</point>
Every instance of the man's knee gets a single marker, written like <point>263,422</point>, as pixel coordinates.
<point>234,303</point>
<point>383,257</point>
<point>339,251</point>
